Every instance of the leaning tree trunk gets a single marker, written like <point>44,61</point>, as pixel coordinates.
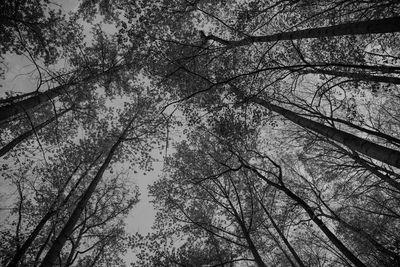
<point>257,257</point>
<point>49,214</point>
<point>356,76</point>
<point>386,25</point>
<point>4,150</point>
<point>245,231</point>
<point>22,106</point>
<point>13,109</point>
<point>252,247</point>
<point>69,226</point>
<point>355,143</point>
<point>282,236</point>
<point>321,225</point>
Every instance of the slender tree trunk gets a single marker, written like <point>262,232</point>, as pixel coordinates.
<point>43,245</point>
<point>28,242</point>
<point>71,257</point>
<point>361,232</point>
<point>281,248</point>
<point>58,244</point>
<point>240,220</point>
<point>357,76</point>
<point>4,150</point>
<point>386,25</point>
<point>52,210</point>
<point>368,148</point>
<point>331,236</point>
<point>361,67</point>
<point>376,244</point>
<point>282,236</point>
<point>373,168</point>
<point>252,247</point>
<point>98,255</point>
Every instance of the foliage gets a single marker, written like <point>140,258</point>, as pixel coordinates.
<point>281,145</point>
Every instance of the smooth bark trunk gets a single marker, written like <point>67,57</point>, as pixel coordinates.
<point>386,25</point>
<point>4,150</point>
<point>357,76</point>
<point>9,111</point>
<point>368,148</point>
<point>388,138</point>
<point>373,168</point>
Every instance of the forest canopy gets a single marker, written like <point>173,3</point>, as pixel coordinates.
<point>275,123</point>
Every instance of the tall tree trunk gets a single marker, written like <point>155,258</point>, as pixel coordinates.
<point>22,106</point>
<point>4,150</point>
<point>356,76</point>
<point>44,244</point>
<point>252,247</point>
<point>368,148</point>
<point>13,109</point>
<point>68,229</point>
<point>328,233</point>
<point>393,140</point>
<point>282,236</point>
<point>386,25</point>
<point>371,167</point>
<point>393,255</point>
<point>74,246</point>
<point>240,220</point>
<point>281,248</point>
<point>257,257</point>
<point>52,210</point>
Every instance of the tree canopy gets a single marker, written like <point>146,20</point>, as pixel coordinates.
<point>277,123</point>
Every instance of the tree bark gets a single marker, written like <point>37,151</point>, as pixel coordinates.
<point>52,210</point>
<point>357,76</point>
<point>328,233</point>
<point>240,220</point>
<point>373,168</point>
<point>58,244</point>
<point>22,106</point>
<point>355,143</point>
<point>386,25</point>
<point>11,110</point>
<point>74,246</point>
<point>4,150</point>
<point>252,247</point>
<point>393,255</point>
<point>282,236</point>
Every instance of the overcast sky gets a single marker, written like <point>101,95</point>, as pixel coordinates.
<point>20,77</point>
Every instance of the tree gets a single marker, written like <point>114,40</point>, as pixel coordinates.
<point>27,134</point>
<point>45,210</point>
<point>290,150</point>
<point>37,29</point>
<point>55,207</point>
<point>365,27</point>
<point>188,164</point>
